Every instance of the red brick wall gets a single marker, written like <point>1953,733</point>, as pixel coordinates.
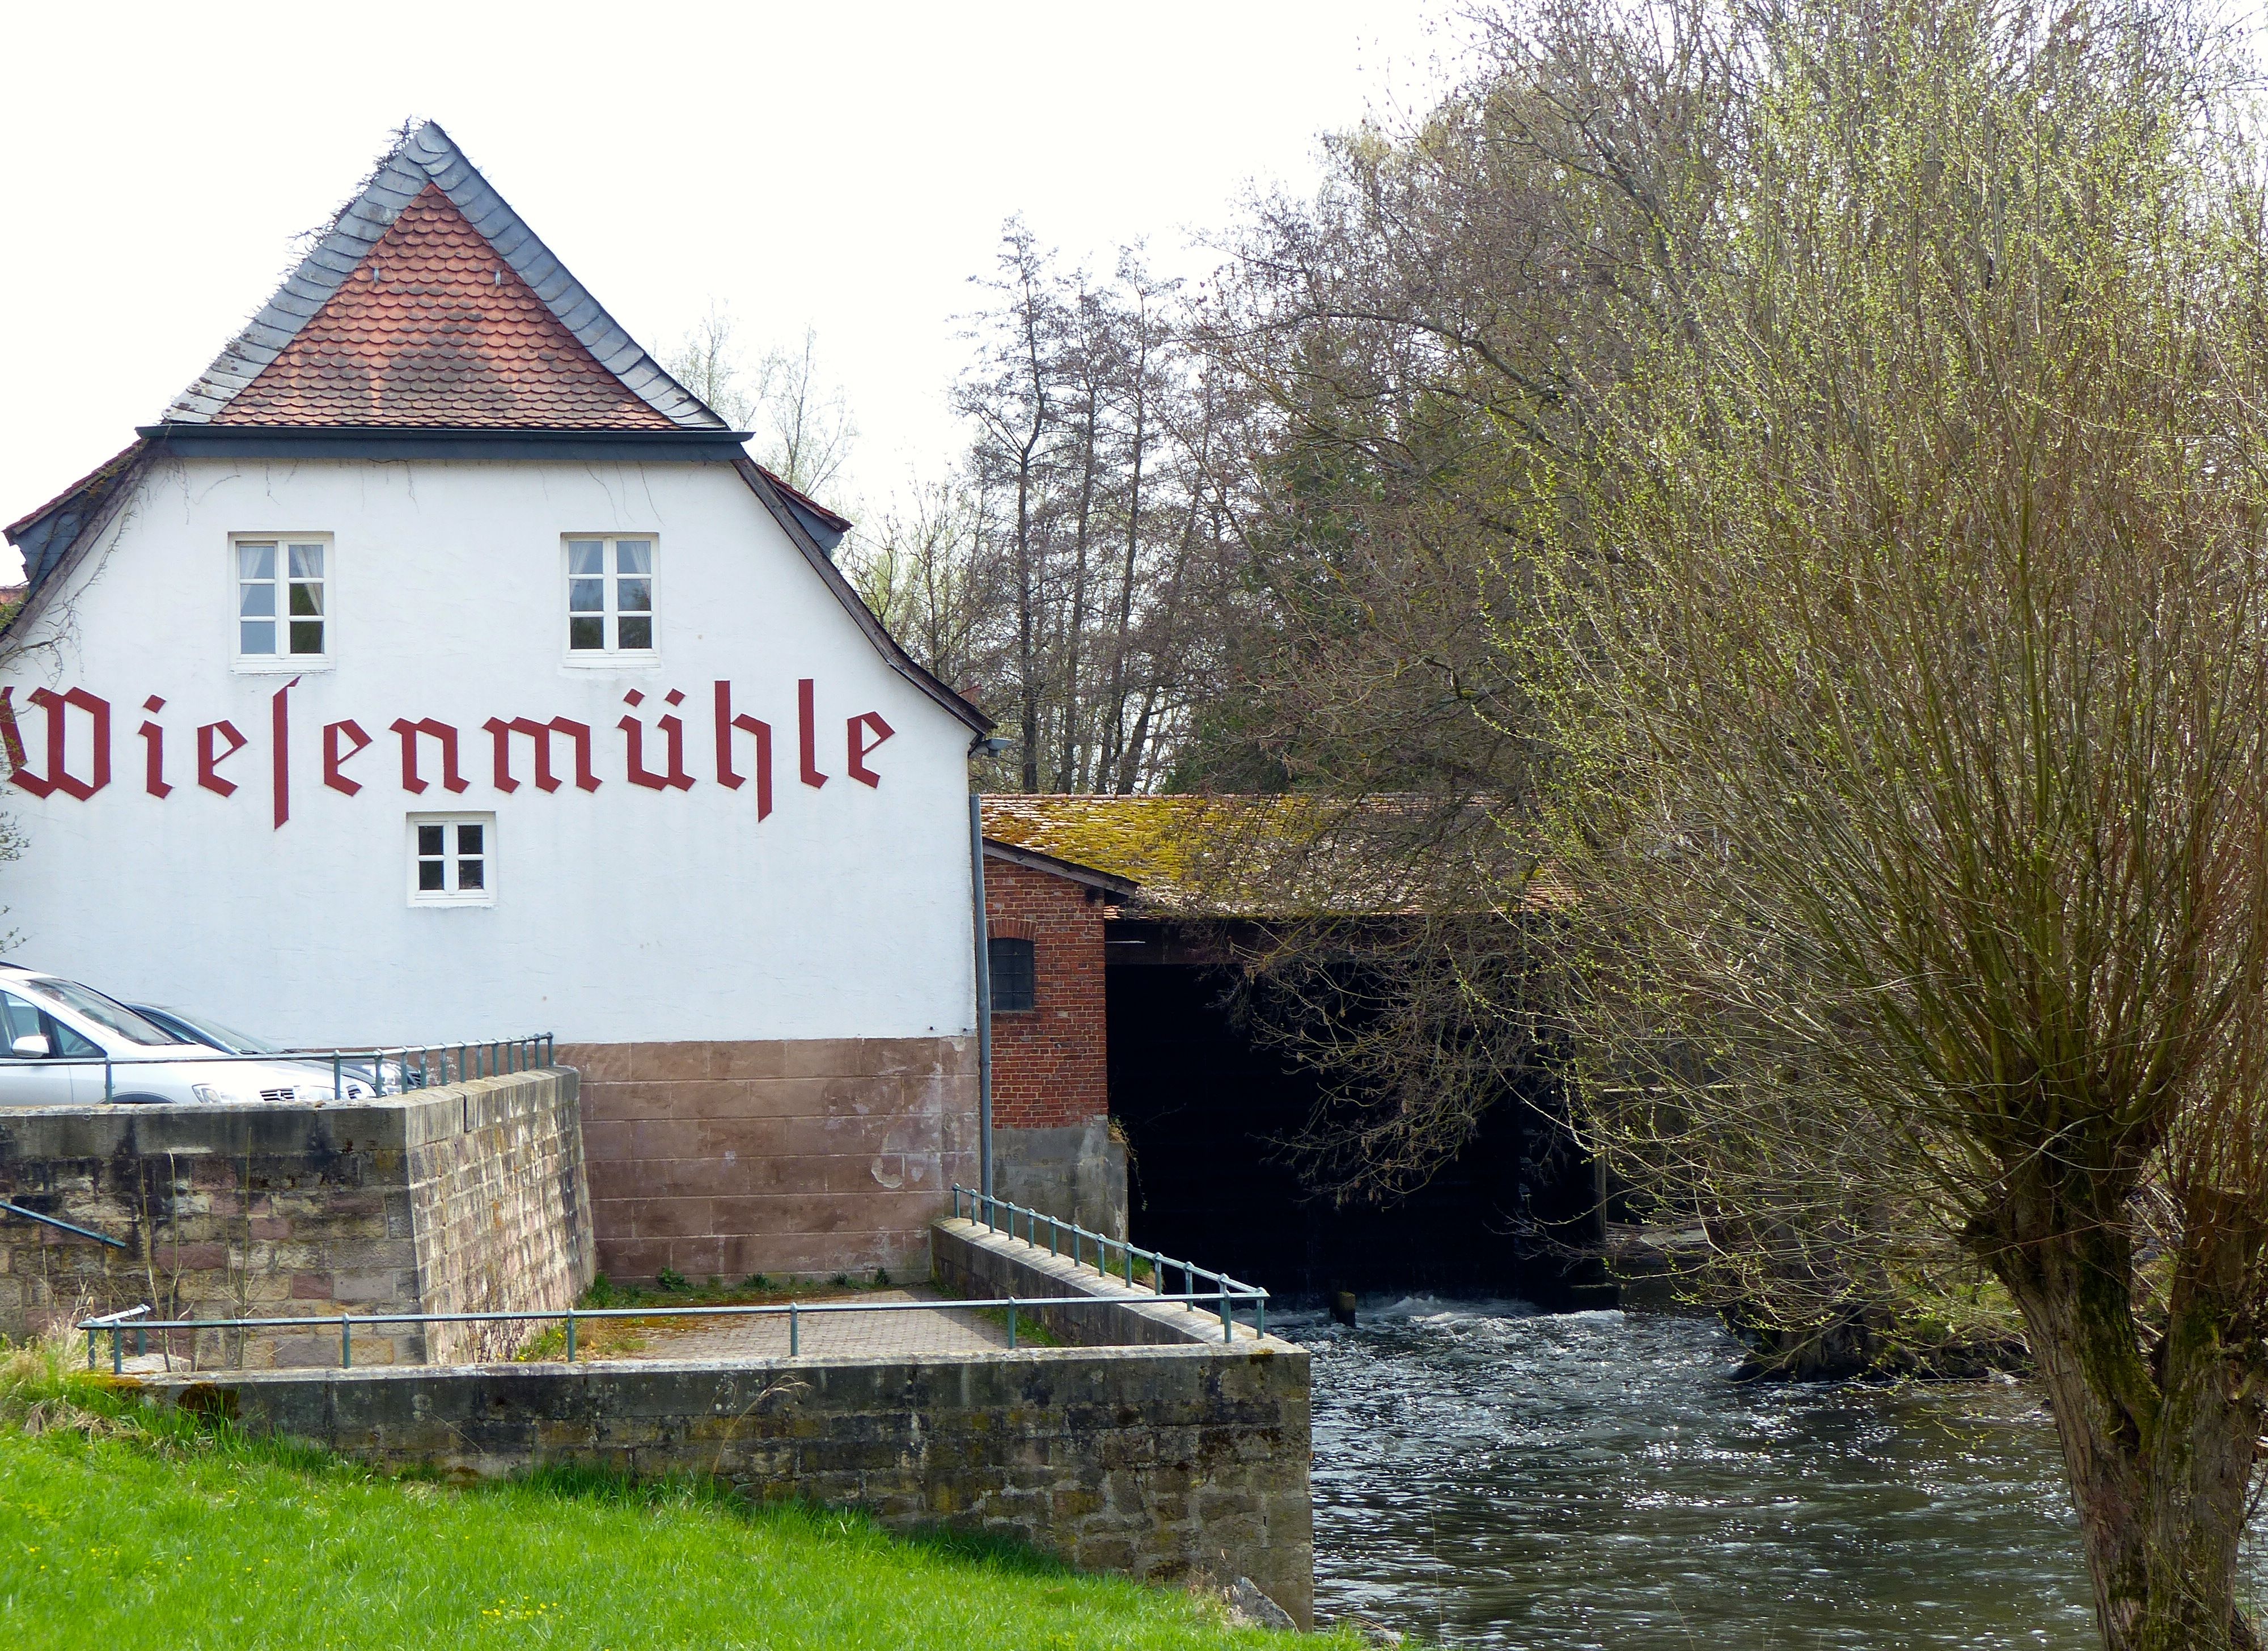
<point>1048,1063</point>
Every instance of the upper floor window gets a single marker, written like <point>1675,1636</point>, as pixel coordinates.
<point>283,606</point>
<point>609,596</point>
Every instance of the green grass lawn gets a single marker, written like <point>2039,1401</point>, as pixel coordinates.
<point>117,1530</point>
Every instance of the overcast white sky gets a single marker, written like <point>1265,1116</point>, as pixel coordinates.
<point>846,166</point>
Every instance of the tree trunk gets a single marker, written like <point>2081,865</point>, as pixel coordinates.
<point>2161,1459</point>
<point>1071,770</point>
<point>1114,733</point>
<point>1027,685</point>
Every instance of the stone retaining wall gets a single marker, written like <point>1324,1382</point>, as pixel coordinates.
<point>456,1197</point>
<point>973,1261</point>
<point>1176,1457</point>
<point>1156,1462</point>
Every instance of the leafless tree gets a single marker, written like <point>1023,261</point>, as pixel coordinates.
<point>913,569</point>
<point>807,423</point>
<point>1010,403</point>
<point>803,423</point>
<point>1099,510</point>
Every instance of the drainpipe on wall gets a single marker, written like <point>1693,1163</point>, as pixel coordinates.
<point>984,998</point>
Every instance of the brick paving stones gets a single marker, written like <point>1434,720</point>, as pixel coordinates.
<point>903,1332</point>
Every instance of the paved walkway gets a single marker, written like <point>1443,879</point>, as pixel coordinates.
<point>902,1332</point>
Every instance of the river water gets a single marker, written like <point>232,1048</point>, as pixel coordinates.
<point>1487,1476</point>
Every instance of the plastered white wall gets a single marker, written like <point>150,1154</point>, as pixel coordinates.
<point>622,914</point>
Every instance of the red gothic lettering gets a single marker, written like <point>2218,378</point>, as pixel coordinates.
<point>862,747</point>
<point>442,733</point>
<point>673,729</point>
<point>806,734</point>
<point>19,770</point>
<point>279,730</point>
<point>153,754</point>
<point>58,708</point>
<point>208,761</point>
<point>500,733</point>
<point>727,776</point>
<point>333,756</point>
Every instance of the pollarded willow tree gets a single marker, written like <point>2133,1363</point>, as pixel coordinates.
<point>1912,692</point>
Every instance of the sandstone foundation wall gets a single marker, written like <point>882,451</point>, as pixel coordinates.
<point>797,1158</point>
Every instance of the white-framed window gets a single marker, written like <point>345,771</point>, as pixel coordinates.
<point>610,612</point>
<point>453,860</point>
<point>281,586</point>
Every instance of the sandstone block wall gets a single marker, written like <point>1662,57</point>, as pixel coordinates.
<point>500,1209</point>
<point>1157,1463</point>
<point>462,1196</point>
<point>800,1158</point>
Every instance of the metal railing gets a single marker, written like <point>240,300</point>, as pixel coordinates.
<point>1226,1295</point>
<point>986,1210</point>
<point>7,1208</point>
<point>378,1069</point>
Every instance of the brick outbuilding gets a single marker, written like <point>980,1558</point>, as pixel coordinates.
<point>1054,1146</point>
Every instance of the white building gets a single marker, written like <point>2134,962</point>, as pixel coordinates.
<point>438,666</point>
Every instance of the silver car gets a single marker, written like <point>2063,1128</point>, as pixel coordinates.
<point>399,1076</point>
<point>64,1044</point>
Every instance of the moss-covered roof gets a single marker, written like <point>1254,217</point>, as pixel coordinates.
<point>1147,839</point>
<point>1256,856</point>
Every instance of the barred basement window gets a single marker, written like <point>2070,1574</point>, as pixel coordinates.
<point>452,859</point>
<point>1015,974</point>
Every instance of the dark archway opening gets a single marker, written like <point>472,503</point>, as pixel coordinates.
<point>1204,1110</point>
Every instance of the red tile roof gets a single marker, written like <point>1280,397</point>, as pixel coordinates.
<point>434,328</point>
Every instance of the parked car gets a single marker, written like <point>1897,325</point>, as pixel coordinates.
<point>197,1029</point>
<point>203,1028</point>
<point>56,1036</point>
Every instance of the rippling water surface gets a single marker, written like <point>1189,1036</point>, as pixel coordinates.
<point>1486,1476</point>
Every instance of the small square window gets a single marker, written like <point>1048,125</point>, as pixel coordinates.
<point>453,860</point>
<point>609,598</point>
<point>281,583</point>
<point>1015,974</point>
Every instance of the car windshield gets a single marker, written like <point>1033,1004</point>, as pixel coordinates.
<point>100,1010</point>
<point>228,1037</point>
